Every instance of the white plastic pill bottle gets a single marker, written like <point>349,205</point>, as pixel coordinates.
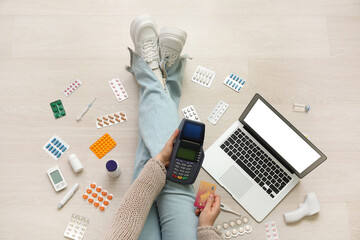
<point>112,168</point>
<point>75,163</point>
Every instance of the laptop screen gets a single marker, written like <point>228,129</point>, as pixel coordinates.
<point>281,137</point>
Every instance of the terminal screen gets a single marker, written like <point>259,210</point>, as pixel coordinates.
<point>192,131</point>
<point>186,154</point>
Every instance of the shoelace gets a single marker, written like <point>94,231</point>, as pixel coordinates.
<point>149,51</point>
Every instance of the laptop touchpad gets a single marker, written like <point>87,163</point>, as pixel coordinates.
<point>235,181</point>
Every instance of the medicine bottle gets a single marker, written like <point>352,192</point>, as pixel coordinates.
<point>75,163</point>
<point>112,168</point>
<point>297,107</point>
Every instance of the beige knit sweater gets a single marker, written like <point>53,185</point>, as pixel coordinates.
<point>135,206</point>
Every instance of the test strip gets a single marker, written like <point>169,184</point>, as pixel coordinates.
<point>271,232</point>
<point>72,87</point>
<point>56,147</point>
<point>110,119</point>
<point>118,89</point>
<point>217,112</point>
<point>203,76</point>
<point>76,227</point>
<point>189,112</point>
<point>234,82</point>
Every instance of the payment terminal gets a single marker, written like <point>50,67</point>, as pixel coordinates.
<point>188,154</point>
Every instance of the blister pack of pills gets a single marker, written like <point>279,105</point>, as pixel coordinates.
<point>103,145</point>
<point>234,82</point>
<point>234,228</point>
<point>271,232</point>
<point>217,112</point>
<point>110,119</point>
<point>57,109</point>
<point>203,76</point>
<point>118,89</point>
<point>189,112</point>
<point>72,87</point>
<point>97,197</point>
<point>56,147</point>
<point>76,227</point>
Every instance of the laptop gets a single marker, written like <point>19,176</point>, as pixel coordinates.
<point>261,158</point>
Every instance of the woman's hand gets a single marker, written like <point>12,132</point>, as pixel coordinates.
<point>208,215</point>
<point>165,154</point>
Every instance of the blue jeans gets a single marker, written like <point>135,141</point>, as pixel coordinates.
<point>172,215</point>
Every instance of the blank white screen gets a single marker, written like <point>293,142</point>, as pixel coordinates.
<point>281,137</point>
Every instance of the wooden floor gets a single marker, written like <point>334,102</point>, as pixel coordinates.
<point>288,51</point>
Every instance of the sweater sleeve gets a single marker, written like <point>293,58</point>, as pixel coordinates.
<point>208,233</point>
<point>135,206</point>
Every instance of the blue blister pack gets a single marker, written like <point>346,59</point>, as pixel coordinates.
<point>234,82</point>
<point>56,147</point>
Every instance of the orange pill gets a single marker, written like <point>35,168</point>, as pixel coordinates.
<point>96,204</point>
<point>106,122</point>
<point>100,199</point>
<point>116,115</point>
<point>90,200</point>
<point>94,194</point>
<point>99,119</point>
<point>85,196</point>
<point>88,190</point>
<point>100,124</point>
<point>122,114</point>
<point>93,185</point>
<point>98,189</point>
<point>102,208</point>
<point>110,197</point>
<point>104,193</point>
<point>112,121</point>
<point>105,118</point>
<point>106,202</point>
<point>111,117</point>
<point>118,120</point>
<point>123,118</point>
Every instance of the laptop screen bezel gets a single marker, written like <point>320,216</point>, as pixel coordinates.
<point>270,149</point>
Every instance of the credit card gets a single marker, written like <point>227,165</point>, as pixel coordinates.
<point>204,191</point>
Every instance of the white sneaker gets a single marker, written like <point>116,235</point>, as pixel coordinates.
<point>171,42</point>
<point>143,31</point>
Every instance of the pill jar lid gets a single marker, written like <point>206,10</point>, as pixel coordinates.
<point>111,165</point>
<point>72,156</point>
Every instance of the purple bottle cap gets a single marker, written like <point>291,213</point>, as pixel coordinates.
<point>111,165</point>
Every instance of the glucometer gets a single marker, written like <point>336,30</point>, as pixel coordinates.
<point>188,154</point>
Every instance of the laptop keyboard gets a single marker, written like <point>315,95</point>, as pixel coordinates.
<point>255,162</point>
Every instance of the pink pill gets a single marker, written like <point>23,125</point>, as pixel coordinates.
<point>125,95</point>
